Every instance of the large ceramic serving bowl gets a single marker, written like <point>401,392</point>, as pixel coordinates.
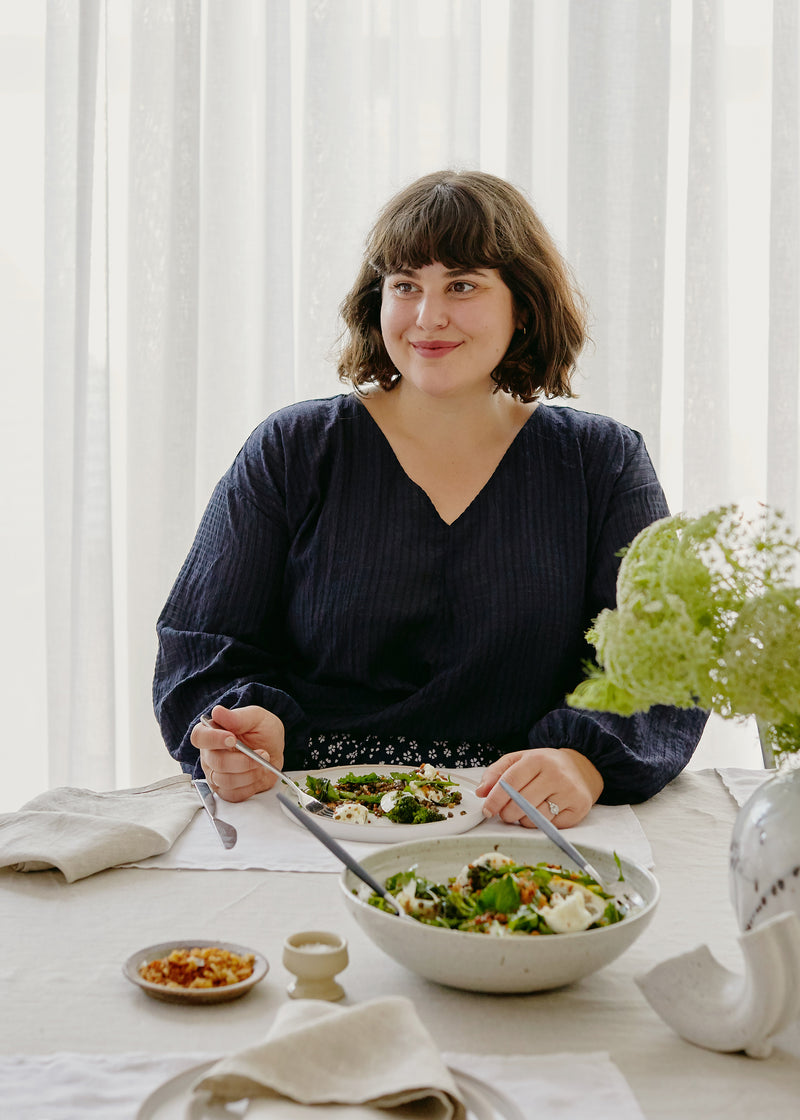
<point>478,962</point>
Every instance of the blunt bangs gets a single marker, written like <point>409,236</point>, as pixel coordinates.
<point>445,224</point>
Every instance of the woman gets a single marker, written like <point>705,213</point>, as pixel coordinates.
<point>406,572</point>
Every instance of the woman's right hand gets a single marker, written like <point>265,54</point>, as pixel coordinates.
<point>231,774</point>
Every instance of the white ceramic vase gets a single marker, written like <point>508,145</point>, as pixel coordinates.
<point>713,1007</point>
<point>764,874</point>
<point>721,1010</point>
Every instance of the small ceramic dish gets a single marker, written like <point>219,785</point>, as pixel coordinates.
<point>314,957</point>
<point>194,995</point>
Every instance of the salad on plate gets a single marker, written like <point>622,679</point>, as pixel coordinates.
<point>421,796</point>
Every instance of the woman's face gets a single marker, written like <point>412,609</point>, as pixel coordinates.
<point>446,330</point>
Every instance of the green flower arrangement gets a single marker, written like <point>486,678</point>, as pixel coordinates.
<point>708,615</point>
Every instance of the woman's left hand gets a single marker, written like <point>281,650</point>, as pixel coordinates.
<point>562,783</point>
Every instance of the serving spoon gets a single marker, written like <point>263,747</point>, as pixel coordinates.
<point>342,854</point>
<point>627,897</point>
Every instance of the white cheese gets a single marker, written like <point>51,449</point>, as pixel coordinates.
<point>488,859</point>
<point>389,800</point>
<point>426,907</point>
<point>352,812</point>
<point>574,911</point>
<point>424,792</point>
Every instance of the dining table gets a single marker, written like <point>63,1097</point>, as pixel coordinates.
<point>78,1039</point>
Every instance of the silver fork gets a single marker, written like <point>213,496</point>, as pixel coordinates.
<point>306,800</point>
<point>626,896</point>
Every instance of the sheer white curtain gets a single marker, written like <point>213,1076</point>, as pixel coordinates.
<point>783,460</point>
<point>78,590</point>
<point>211,169</point>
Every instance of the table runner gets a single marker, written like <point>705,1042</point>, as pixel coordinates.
<point>269,840</point>
<point>72,1086</point>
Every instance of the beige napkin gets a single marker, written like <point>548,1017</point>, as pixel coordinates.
<point>80,832</point>
<point>357,1061</point>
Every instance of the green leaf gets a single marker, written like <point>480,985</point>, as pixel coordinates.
<point>502,896</point>
<point>610,915</point>
<point>525,920</point>
<point>352,780</point>
<point>396,882</point>
<point>322,789</point>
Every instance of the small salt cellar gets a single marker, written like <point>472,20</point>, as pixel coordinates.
<point>315,957</point>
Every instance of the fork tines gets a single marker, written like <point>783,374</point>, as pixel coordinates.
<point>315,807</point>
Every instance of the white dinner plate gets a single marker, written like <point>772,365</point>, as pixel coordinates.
<point>171,1100</point>
<point>380,830</point>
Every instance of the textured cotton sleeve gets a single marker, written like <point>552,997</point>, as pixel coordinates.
<point>221,631</point>
<point>637,755</point>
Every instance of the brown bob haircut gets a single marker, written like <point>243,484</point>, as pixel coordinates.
<point>470,219</point>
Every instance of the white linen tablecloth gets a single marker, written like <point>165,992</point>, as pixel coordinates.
<point>65,991</point>
<point>74,1086</point>
<point>269,840</point>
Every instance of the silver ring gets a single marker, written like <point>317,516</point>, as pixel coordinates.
<point>554,809</point>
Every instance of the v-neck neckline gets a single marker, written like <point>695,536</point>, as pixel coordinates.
<point>421,489</point>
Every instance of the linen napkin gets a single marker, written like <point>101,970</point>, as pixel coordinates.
<point>741,783</point>
<point>80,832</point>
<point>363,1059</point>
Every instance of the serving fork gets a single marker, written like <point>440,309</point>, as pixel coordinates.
<point>345,857</point>
<point>627,897</point>
<point>318,808</point>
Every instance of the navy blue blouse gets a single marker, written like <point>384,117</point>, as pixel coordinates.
<point>323,585</point>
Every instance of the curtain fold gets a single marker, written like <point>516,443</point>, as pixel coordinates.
<point>245,331</point>
<point>162,264</point>
<point>706,444</point>
<point>80,668</point>
<point>783,417</point>
<point>334,170</point>
<point>618,144</point>
<point>256,144</point>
